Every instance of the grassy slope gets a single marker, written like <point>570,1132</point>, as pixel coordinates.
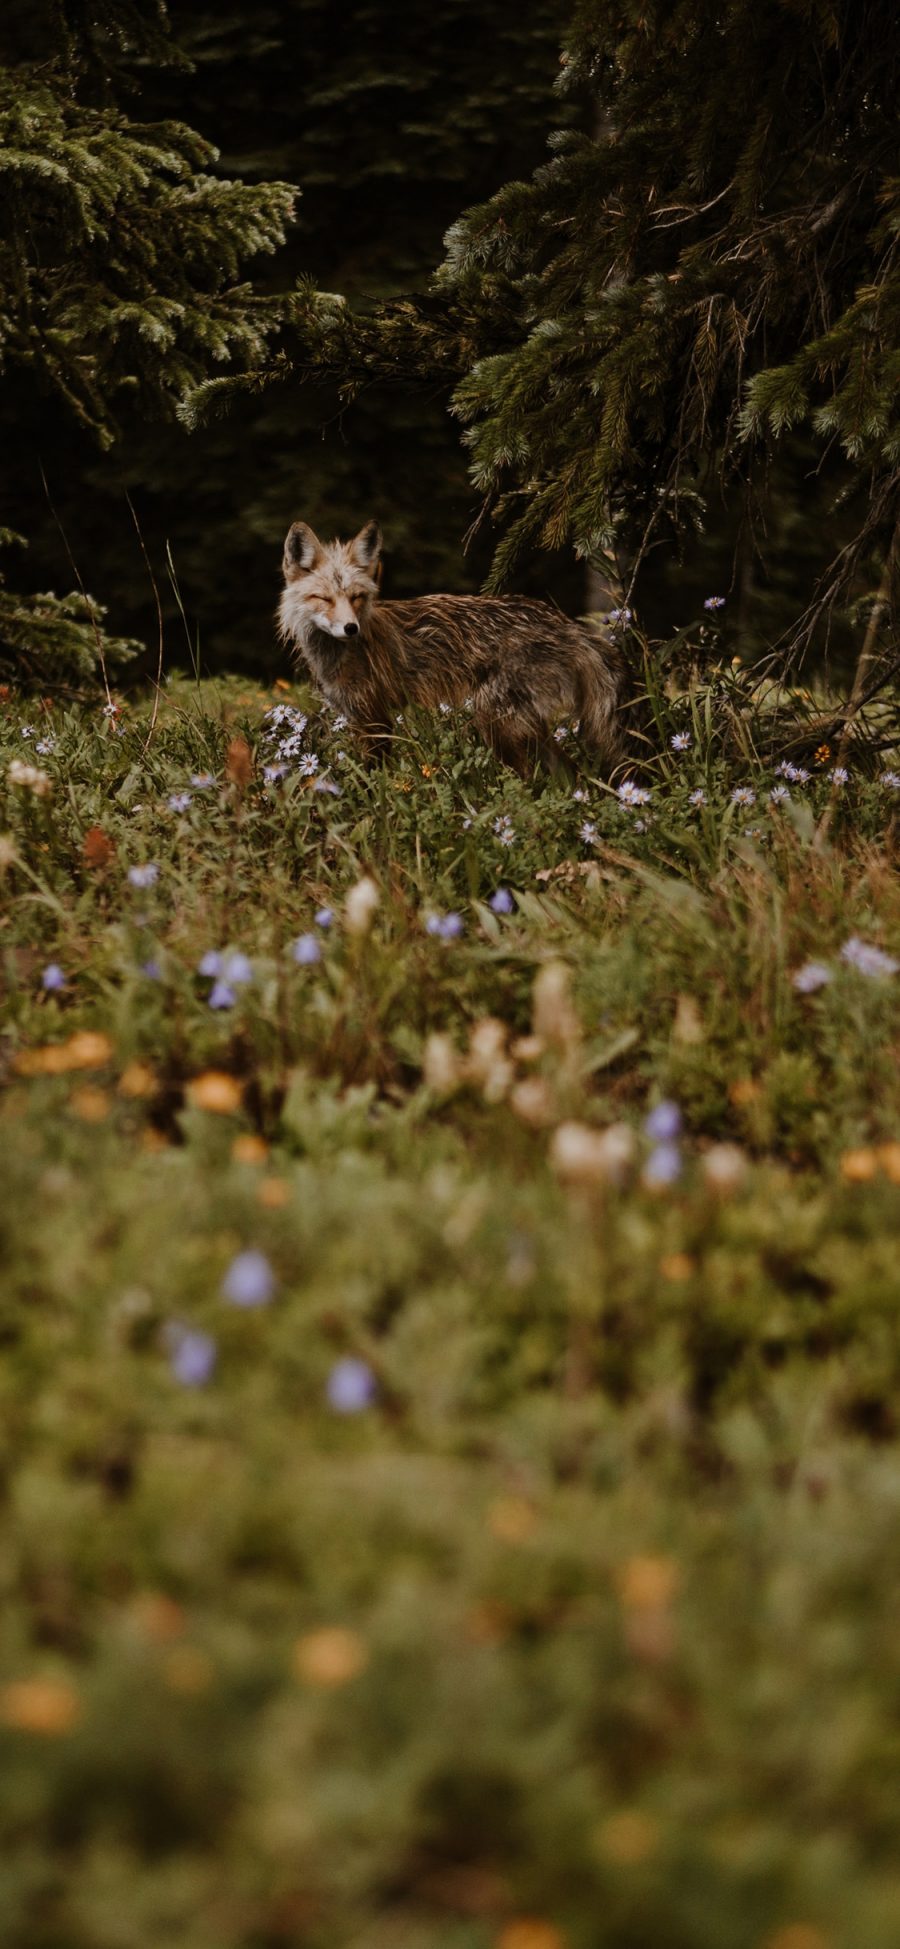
<point>607,1571</point>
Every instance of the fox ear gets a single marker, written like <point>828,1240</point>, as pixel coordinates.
<point>365,547</point>
<point>301,549</point>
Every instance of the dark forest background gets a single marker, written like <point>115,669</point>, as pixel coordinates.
<point>392,123</point>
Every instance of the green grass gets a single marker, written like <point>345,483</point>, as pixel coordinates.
<point>607,1566</point>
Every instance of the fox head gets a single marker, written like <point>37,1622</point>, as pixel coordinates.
<point>331,586</point>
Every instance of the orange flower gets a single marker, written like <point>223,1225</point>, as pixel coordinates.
<point>90,1104</point>
<point>87,1049</point>
<point>158,1616</point>
<point>249,1149</point>
<point>823,754</point>
<point>647,1583</point>
<point>330,1657</point>
<point>137,1080</point>
<point>46,1706</point>
<point>529,1932</point>
<point>217,1091</point>
<point>273,1193</point>
<point>859,1166</point>
<point>677,1266</point>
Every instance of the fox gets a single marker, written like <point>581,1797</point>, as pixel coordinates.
<point>518,663</point>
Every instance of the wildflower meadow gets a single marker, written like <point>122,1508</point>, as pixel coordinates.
<point>451,1362</point>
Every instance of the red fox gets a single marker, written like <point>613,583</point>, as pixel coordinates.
<point>522,663</point>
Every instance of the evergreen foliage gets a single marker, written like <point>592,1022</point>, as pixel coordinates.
<point>710,261</point>
<point>388,133</point>
<point>122,253</point>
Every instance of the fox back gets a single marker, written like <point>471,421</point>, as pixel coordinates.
<point>521,665</point>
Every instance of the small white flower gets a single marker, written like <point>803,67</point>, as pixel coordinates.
<point>698,797</point>
<point>779,795</point>
<point>891,779</point>
<point>868,960</point>
<point>632,794</point>
<point>742,795</point>
<point>681,741</point>
<point>840,775</point>
<point>813,975</point>
<point>588,832</point>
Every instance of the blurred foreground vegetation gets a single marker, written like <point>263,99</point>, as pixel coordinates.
<point>451,1365</point>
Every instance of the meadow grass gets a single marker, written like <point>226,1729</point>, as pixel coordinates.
<point>450,1349</point>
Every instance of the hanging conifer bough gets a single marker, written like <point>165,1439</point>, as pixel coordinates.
<point>121,258</point>
<point>711,262</point>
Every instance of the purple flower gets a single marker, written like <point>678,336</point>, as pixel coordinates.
<point>812,975</point>
<point>272,773</point>
<point>796,773</point>
<point>663,1124</point>
<point>698,797</point>
<point>619,616</point>
<point>714,602</point>
<point>681,741</point>
<point>143,876</point>
<point>324,916</point>
<point>53,977</point>
<point>868,960</point>
<point>632,794</point>
<point>211,963</point>
<point>351,1386</point>
<point>202,780</point>
<point>891,779</point>
<point>840,775</point>
<point>779,795</point>
<point>742,795</point>
<point>178,801</point>
<point>249,1280</point>
<point>221,996</point>
<point>306,951</point>
<point>663,1166</point>
<point>151,969</point>
<point>445,927</point>
<point>237,969</point>
<point>192,1355</point>
<point>502,901</point>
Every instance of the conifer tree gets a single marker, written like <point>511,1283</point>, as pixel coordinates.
<point>389,127</point>
<point>708,263</point>
<point>122,259</point>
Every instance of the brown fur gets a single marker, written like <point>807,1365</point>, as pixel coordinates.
<point>522,664</point>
